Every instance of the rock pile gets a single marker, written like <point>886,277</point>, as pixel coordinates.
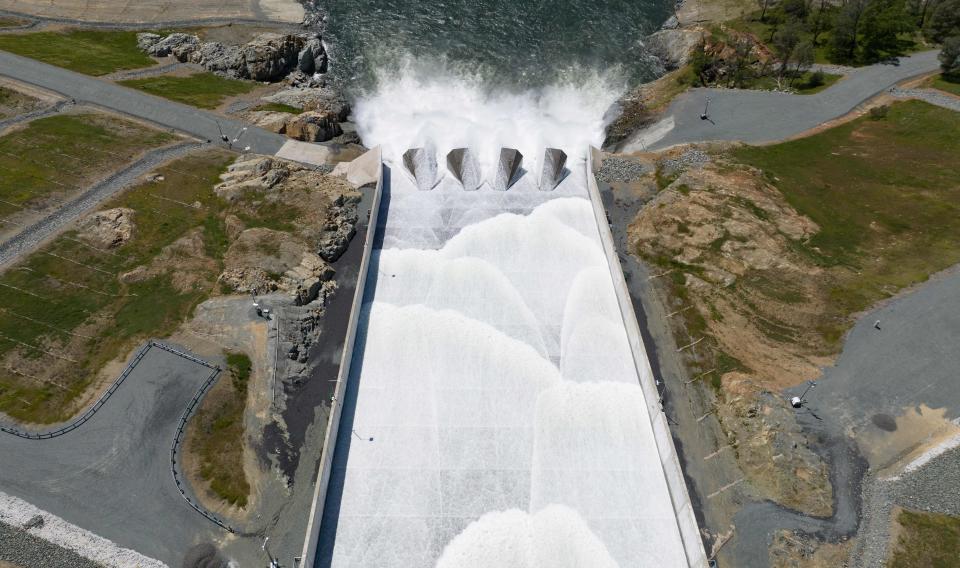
<point>268,57</point>
<point>108,229</point>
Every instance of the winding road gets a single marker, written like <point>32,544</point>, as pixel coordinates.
<point>766,116</point>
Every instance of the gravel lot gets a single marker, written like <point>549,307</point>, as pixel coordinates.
<point>23,549</point>
<point>931,96</point>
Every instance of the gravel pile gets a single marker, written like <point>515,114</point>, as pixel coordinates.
<point>931,96</point>
<point>620,169</point>
<point>52,541</point>
<point>932,488</point>
<point>21,548</point>
<point>692,158</point>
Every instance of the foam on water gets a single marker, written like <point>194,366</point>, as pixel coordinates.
<point>447,108</point>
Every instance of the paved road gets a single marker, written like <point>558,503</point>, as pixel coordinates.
<point>761,116</point>
<point>166,113</point>
<point>112,476</point>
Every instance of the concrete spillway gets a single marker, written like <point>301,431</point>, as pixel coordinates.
<point>494,414</point>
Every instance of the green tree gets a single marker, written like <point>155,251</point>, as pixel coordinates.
<point>881,22</point>
<point>843,40</point>
<point>950,59</point>
<point>803,59</point>
<point>944,21</point>
<point>785,43</point>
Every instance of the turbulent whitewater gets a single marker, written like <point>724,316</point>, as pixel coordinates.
<point>496,416</point>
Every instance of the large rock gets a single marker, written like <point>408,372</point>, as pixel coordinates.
<point>313,126</point>
<point>218,58</point>
<point>270,56</point>
<point>312,58</point>
<point>324,99</point>
<point>147,40</point>
<point>178,45</point>
<point>109,228</point>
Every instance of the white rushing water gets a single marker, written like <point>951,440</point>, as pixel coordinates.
<point>499,418</point>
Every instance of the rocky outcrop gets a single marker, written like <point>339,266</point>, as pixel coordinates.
<point>674,46</point>
<point>107,229</point>
<point>268,57</point>
<point>313,126</point>
<point>340,227</point>
<point>322,99</point>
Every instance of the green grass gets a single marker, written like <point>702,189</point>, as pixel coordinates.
<point>279,107</point>
<point>215,435</point>
<point>13,103</point>
<point>64,153</point>
<point>203,90</point>
<point>940,82</point>
<point>10,22</point>
<point>886,196</point>
<point>927,540</point>
<point>61,297</point>
<point>86,51</point>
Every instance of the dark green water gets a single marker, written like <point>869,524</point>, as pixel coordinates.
<point>509,44</point>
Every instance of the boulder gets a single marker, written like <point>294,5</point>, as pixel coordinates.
<point>312,58</point>
<point>218,58</point>
<point>324,99</point>
<point>109,228</point>
<point>269,56</point>
<point>147,40</point>
<point>314,126</point>
<point>178,45</point>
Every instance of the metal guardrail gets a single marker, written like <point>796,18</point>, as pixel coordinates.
<point>181,426</point>
<point>83,418</point>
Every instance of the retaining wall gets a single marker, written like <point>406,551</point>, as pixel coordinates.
<point>333,423</point>
<point>669,460</point>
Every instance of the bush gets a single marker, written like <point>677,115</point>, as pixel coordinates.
<point>816,79</point>
<point>880,112</point>
<point>950,59</point>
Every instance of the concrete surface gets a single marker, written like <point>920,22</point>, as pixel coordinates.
<point>484,284</point>
<point>761,116</point>
<point>112,476</point>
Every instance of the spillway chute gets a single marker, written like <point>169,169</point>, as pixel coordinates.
<point>462,163</point>
<point>421,165</point>
<point>554,169</point>
<point>509,169</point>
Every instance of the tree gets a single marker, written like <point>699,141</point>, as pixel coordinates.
<point>796,9</point>
<point>764,4</point>
<point>785,42</point>
<point>803,59</point>
<point>740,68</point>
<point>819,22</point>
<point>843,41</point>
<point>881,22</point>
<point>920,9</point>
<point>950,59</point>
<point>944,21</point>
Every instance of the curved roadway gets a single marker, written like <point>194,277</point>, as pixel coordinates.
<point>766,116</point>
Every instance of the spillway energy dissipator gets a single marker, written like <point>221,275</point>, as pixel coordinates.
<point>494,415</point>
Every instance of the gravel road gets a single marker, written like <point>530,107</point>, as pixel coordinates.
<point>931,96</point>
<point>31,237</point>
